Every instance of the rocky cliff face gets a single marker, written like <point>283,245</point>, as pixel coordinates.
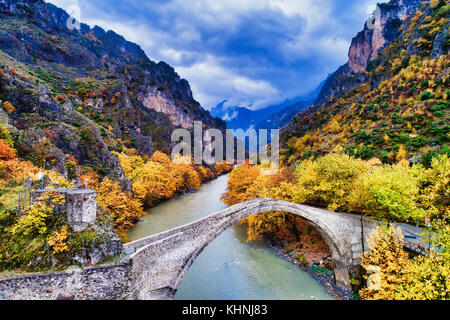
<point>82,90</point>
<point>377,33</point>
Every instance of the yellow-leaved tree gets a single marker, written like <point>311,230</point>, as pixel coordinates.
<point>385,264</point>
<point>328,181</point>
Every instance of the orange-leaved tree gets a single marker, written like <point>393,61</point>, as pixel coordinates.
<point>122,206</point>
<point>6,152</point>
<point>240,180</point>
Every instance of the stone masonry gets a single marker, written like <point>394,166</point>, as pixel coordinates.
<point>107,282</point>
<point>81,206</point>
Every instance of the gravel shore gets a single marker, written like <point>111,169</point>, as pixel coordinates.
<point>327,281</point>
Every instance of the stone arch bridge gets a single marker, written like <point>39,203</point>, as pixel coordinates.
<point>155,266</point>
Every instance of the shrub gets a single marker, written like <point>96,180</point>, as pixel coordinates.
<point>424,84</point>
<point>61,98</point>
<point>288,250</point>
<point>418,142</point>
<point>58,241</point>
<point>301,258</point>
<point>427,95</point>
<point>365,153</point>
<point>6,152</point>
<point>309,153</point>
<point>8,107</point>
<point>37,220</point>
<point>427,158</point>
<point>6,136</point>
<point>405,63</point>
<point>396,118</point>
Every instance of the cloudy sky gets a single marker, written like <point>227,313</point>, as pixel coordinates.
<point>249,52</point>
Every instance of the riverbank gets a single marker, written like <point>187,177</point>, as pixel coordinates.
<point>326,280</point>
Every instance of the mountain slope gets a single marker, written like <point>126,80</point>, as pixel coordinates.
<point>82,94</point>
<point>391,99</point>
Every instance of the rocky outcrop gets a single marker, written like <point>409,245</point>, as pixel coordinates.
<point>160,101</point>
<point>441,43</point>
<point>379,31</point>
<point>366,45</point>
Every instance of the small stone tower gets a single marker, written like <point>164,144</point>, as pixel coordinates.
<point>81,206</point>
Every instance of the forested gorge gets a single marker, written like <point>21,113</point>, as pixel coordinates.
<point>78,111</point>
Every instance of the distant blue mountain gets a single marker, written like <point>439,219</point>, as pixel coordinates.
<point>272,117</point>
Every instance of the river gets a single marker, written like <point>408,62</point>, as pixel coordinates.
<point>229,268</point>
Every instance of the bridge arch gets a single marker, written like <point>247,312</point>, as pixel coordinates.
<point>160,262</point>
<point>274,205</point>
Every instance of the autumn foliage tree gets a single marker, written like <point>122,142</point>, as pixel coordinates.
<point>185,176</point>
<point>394,275</point>
<point>248,182</point>
<point>152,183</point>
<point>91,176</point>
<point>122,206</point>
<point>385,264</point>
<point>6,152</point>
<point>328,181</point>
<point>239,181</point>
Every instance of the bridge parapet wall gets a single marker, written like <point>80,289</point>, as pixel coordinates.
<point>108,282</point>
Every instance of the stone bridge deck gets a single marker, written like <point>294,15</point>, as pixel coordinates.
<point>156,265</point>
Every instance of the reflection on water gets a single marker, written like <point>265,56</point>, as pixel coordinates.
<point>229,268</point>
